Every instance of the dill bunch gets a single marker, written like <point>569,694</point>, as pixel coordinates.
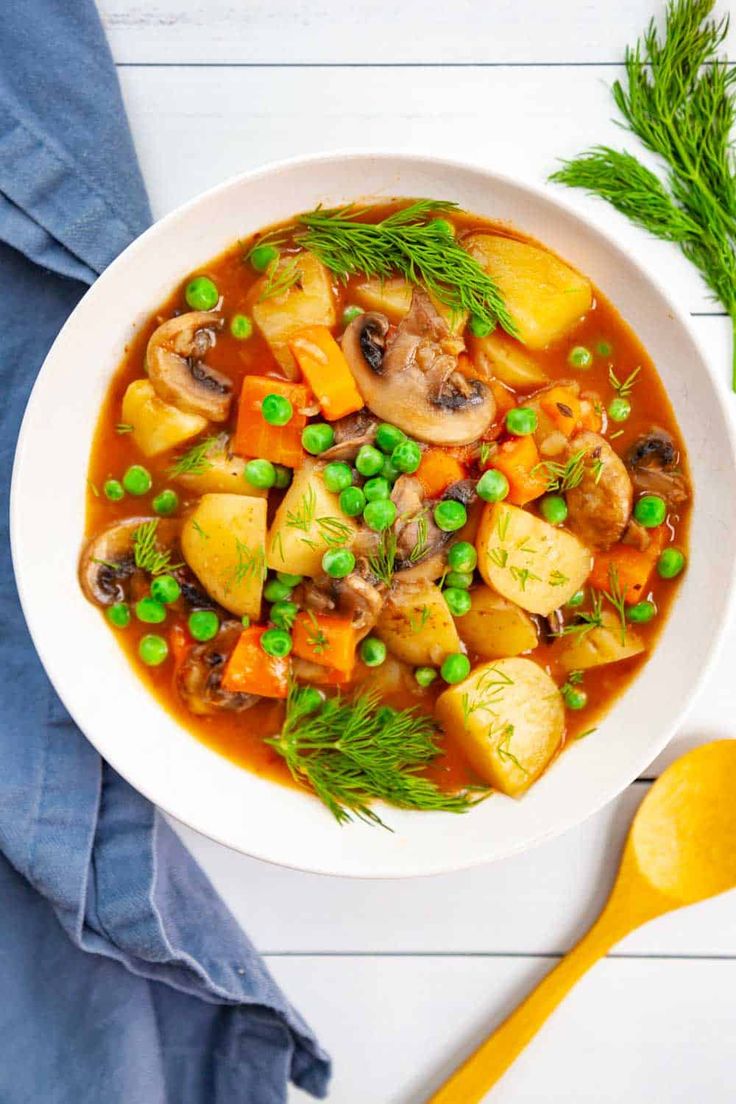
<point>353,752</point>
<point>409,242</point>
<point>679,99</point>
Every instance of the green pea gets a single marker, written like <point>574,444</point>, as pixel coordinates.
<point>113,489</point>
<point>318,437</point>
<point>119,615</point>
<point>574,697</point>
<point>670,563</point>
<point>377,488</point>
<point>462,579</point>
<point>373,651</point>
<point>150,610</point>
<point>650,511</point>
<point>388,437</point>
<point>458,600</point>
<point>521,421</point>
<point>282,476</point>
<point>276,591</point>
<point>350,314</point>
<point>203,624</point>
<point>407,456</point>
<point>480,327</point>
<point>283,614</point>
<point>580,357</point>
<point>380,515</point>
<point>389,470</point>
<point>289,580</point>
<point>241,327</point>
<point>450,515</point>
<point>425,676</point>
<point>369,460</point>
<point>492,486</point>
<point>576,600</point>
<point>462,556</point>
<point>553,509</point>
<point>352,501</point>
<point>261,256</point>
<point>245,621</point>
<point>165,588</point>
<point>604,349</point>
<point>260,473</point>
<point>276,410</point>
<point>201,293</point>
<point>338,562</point>
<point>166,502</point>
<point>153,649</point>
<point>137,480</point>
<point>619,409</point>
<point>276,642</point>
<point>309,698</point>
<point>455,668</point>
<point>337,476</point>
<point>641,612</point>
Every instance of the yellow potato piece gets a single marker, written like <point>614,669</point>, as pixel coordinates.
<point>501,357</point>
<point>528,561</point>
<point>310,302</point>
<point>600,646</point>
<point>307,523</point>
<point>392,297</point>
<point>157,426</point>
<point>224,474</point>
<point>495,628</point>
<point>509,719</point>
<point>223,543</point>
<point>417,626</point>
<point>544,296</point>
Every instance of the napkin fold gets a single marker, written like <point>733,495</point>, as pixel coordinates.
<point>123,976</point>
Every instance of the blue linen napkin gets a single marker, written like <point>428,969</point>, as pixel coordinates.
<point>170,1004</point>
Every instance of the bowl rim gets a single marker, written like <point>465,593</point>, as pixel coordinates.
<point>540,191</point>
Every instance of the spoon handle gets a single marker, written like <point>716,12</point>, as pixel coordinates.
<point>489,1062</point>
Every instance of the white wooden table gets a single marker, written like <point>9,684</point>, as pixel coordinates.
<point>402,978</point>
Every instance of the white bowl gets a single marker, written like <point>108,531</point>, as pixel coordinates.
<point>162,759</point>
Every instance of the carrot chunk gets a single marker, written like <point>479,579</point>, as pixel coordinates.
<point>249,670</point>
<point>326,640</point>
<point>629,566</point>
<point>438,470</point>
<point>518,459</point>
<point>253,434</point>
<point>562,407</point>
<point>326,371</point>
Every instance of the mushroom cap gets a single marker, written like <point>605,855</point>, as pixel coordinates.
<point>653,461</point>
<point>107,564</point>
<point>412,379</point>
<point>199,675</point>
<point>176,368</point>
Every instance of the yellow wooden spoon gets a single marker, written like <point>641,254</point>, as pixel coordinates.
<point>681,849</point>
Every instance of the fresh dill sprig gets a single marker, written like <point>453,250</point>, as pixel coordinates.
<point>382,562</point>
<point>279,278</point>
<point>195,461</point>
<point>586,620</point>
<point>146,553</point>
<point>623,388</point>
<point>563,477</point>
<point>415,245</point>
<point>354,752</point>
<point>679,99</point>
<point>248,561</point>
<point>617,597</point>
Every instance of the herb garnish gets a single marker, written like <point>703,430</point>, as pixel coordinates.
<point>503,750</point>
<point>413,244</point>
<point>352,752</point>
<point>146,553</point>
<point>382,562</point>
<point>124,427</point>
<point>679,100</point>
<point>563,477</point>
<point>586,619</point>
<point>617,598</point>
<point>195,461</point>
<point>623,389</point>
<point>249,561</point>
<point>279,278</point>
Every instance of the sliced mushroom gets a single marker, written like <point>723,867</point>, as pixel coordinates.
<point>176,367</point>
<point>351,432</point>
<point>653,462</point>
<point>199,675</point>
<point>411,378</point>
<point>358,596</point>
<point>599,507</point>
<point>107,569</point>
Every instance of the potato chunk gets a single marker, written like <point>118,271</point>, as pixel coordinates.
<point>601,645</point>
<point>392,297</point>
<point>416,624</point>
<point>509,719</point>
<point>223,473</point>
<point>307,523</point>
<point>223,542</point>
<point>501,357</point>
<point>157,426</point>
<point>309,302</point>
<point>544,296</point>
<point>495,628</point>
<point>529,561</point>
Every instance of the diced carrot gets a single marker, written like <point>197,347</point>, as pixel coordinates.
<point>437,470</point>
<point>518,459</point>
<point>590,415</point>
<point>628,565</point>
<point>325,640</point>
<point>253,434</point>
<point>326,371</point>
<point>179,642</point>
<point>249,670</point>
<point>562,407</point>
